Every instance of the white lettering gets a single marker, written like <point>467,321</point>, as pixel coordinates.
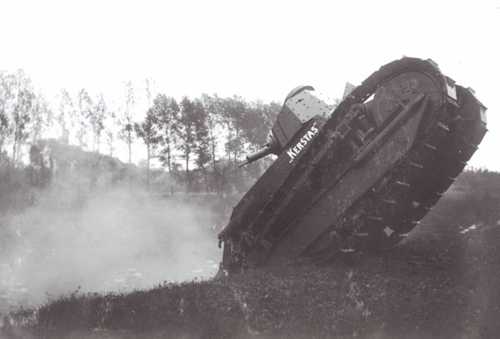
<point>294,151</point>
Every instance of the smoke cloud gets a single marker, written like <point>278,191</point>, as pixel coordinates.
<point>115,241</point>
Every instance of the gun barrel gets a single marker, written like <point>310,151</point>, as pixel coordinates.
<point>268,149</point>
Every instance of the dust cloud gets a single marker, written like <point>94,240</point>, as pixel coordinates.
<point>114,241</point>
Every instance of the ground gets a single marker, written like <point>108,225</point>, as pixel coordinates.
<point>441,282</point>
<point>433,286</point>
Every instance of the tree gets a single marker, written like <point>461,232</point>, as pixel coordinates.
<point>166,110</point>
<point>5,97</point>
<point>21,119</point>
<point>126,123</point>
<point>149,132</point>
<point>4,129</point>
<point>109,130</point>
<point>41,117</point>
<point>245,126</point>
<point>110,139</point>
<point>202,141</point>
<point>149,89</point>
<point>233,110</point>
<point>96,119</point>
<point>212,106</point>
<point>256,123</point>
<point>23,113</point>
<point>186,133</point>
<point>66,116</point>
<point>22,104</point>
<point>85,107</point>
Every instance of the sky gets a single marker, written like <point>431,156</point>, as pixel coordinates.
<point>257,49</point>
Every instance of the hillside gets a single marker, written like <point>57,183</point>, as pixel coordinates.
<point>440,283</point>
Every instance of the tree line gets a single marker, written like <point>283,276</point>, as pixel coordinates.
<point>198,141</point>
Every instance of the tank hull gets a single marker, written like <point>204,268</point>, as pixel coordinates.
<point>369,174</point>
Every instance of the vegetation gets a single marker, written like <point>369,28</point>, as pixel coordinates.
<point>199,141</point>
<point>441,282</point>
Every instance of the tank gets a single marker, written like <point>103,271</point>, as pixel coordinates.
<point>359,176</point>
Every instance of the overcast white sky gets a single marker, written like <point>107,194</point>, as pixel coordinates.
<point>256,49</point>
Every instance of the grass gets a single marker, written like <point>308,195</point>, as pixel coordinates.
<point>441,283</point>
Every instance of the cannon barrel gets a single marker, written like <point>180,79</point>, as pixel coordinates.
<point>268,149</point>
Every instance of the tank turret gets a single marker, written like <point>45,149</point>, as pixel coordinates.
<point>300,107</point>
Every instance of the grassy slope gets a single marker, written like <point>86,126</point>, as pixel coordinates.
<point>440,283</point>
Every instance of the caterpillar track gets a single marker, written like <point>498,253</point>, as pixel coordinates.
<point>360,176</point>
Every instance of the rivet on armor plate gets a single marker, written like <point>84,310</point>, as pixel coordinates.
<point>374,218</point>
<point>431,147</point>
<point>360,234</point>
<point>388,231</point>
<point>443,126</point>
<point>416,165</point>
<point>402,184</point>
<point>347,250</point>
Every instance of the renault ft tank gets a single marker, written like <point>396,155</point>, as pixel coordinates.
<point>357,177</point>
